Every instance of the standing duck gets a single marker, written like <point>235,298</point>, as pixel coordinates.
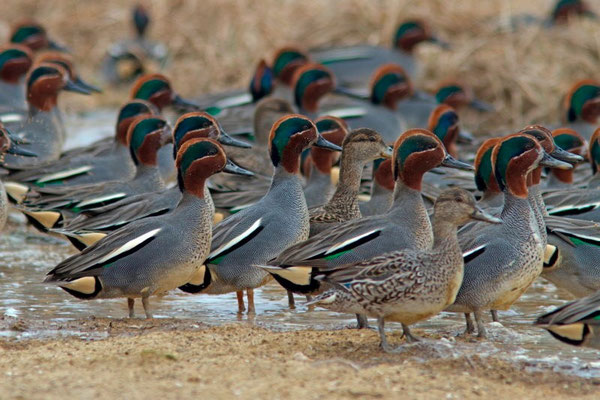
<point>245,239</point>
<point>408,285</point>
<point>153,255</point>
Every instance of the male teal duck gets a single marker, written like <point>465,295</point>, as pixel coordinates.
<point>66,61</point>
<point>154,255</point>
<point>15,62</point>
<point>575,323</point>
<point>127,59</point>
<point>405,225</point>
<point>580,109</point>
<point>260,232</point>
<point>86,229</point>
<point>360,147</point>
<point>146,136</point>
<point>318,164</point>
<point>32,34</point>
<point>354,65</point>
<point>408,285</point>
<point>501,262</point>
<point>41,126</point>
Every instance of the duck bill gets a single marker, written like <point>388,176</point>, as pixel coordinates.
<point>563,155</point>
<point>481,105</point>
<point>52,45</point>
<point>184,103</point>
<point>233,168</point>
<point>481,215</point>
<point>17,151</point>
<point>14,139</point>
<point>81,83</point>
<point>225,139</point>
<point>551,162</point>
<point>326,144</point>
<point>387,153</point>
<point>451,162</point>
<point>71,86</point>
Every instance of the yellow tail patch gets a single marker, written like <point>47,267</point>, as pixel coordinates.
<point>85,285</point>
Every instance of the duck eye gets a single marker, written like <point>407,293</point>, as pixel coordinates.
<point>458,199</point>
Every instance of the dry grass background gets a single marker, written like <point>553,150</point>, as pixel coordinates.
<point>215,44</point>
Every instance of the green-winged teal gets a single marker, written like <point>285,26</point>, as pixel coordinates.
<point>360,147</point>
<point>318,165</point>
<point>129,58</point>
<point>408,285</point>
<point>262,231</point>
<point>575,323</point>
<point>580,109</point>
<point>32,34</point>
<point>156,254</point>
<point>15,62</point>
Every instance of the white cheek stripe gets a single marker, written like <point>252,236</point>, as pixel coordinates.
<point>235,240</point>
<point>65,174</point>
<point>101,199</point>
<point>347,242</point>
<point>128,246</point>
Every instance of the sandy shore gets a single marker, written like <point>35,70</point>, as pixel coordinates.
<point>171,358</point>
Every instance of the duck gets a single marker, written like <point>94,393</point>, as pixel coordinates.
<point>41,126</point>
<point>48,206</point>
<point>407,285</point>
<point>244,240</point>
<point>405,225</point>
<point>360,147</point>
<point>66,61</point>
<point>572,142</point>
<point>17,60</point>
<point>502,261</point>
<point>86,229</point>
<point>33,35</point>
<point>317,167</point>
<point>129,58</point>
<point>154,255</point>
<point>354,65</point>
<point>579,107</point>
<point>575,323</point>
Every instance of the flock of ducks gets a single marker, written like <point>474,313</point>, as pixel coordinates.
<point>343,182</point>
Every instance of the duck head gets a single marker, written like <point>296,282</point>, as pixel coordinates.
<point>290,136</point>
<point>484,173</point>
<point>457,95</point>
<point>566,9</point>
<point>366,145</point>
<point>333,130</point>
<point>156,89</point>
<point>66,61</point>
<point>197,160</point>
<point>311,82</point>
<point>266,113</point>
<point>286,61</point>
<point>390,84</point>
<point>594,151</point>
<point>44,82</point>
<point>457,206</point>
<point>443,122</point>
<point>10,146</point>
<point>261,84</point>
<point>412,32</point>
<point>15,61</point>
<point>582,102</point>
<point>146,135</point>
<point>34,36</point>
<point>199,124</point>
<point>141,19</point>
<point>417,151</point>
<point>572,142</point>
<point>128,113</point>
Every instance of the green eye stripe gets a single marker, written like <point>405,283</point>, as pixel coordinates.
<point>10,54</point>
<point>446,120</point>
<point>284,59</point>
<point>305,80</point>
<point>383,84</point>
<point>149,88</point>
<point>326,125</point>
<point>579,98</point>
<point>142,129</point>
<point>195,152</point>
<point>283,133</point>
<point>484,170</point>
<point>404,28</point>
<point>446,92</point>
<point>413,144</point>
<point>566,141</point>
<point>508,150</point>
<point>25,32</point>
<point>133,109</point>
<point>190,124</point>
<point>38,73</point>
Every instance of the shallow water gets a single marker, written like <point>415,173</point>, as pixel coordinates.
<point>28,255</point>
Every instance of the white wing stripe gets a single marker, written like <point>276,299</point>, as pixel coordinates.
<point>64,174</point>
<point>101,199</point>
<point>235,240</point>
<point>347,242</point>
<point>129,245</point>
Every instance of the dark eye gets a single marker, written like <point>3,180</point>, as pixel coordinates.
<point>458,199</point>
<point>372,139</point>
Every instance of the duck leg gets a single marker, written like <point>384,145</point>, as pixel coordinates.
<point>291,301</point>
<point>146,304</point>
<point>361,321</point>
<point>410,338</point>
<point>240,300</point>
<point>494,315</point>
<point>312,306</point>
<point>250,295</point>
<point>384,344</point>
<point>130,304</point>
<point>470,327</point>
<point>481,331</point>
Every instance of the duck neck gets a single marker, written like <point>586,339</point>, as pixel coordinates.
<point>539,210</point>
<point>444,234</point>
<point>149,174</point>
<point>408,209</point>
<point>198,208</point>
<point>491,199</point>
<point>517,215</point>
<point>346,193</point>
<point>318,178</point>
<point>281,174</point>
